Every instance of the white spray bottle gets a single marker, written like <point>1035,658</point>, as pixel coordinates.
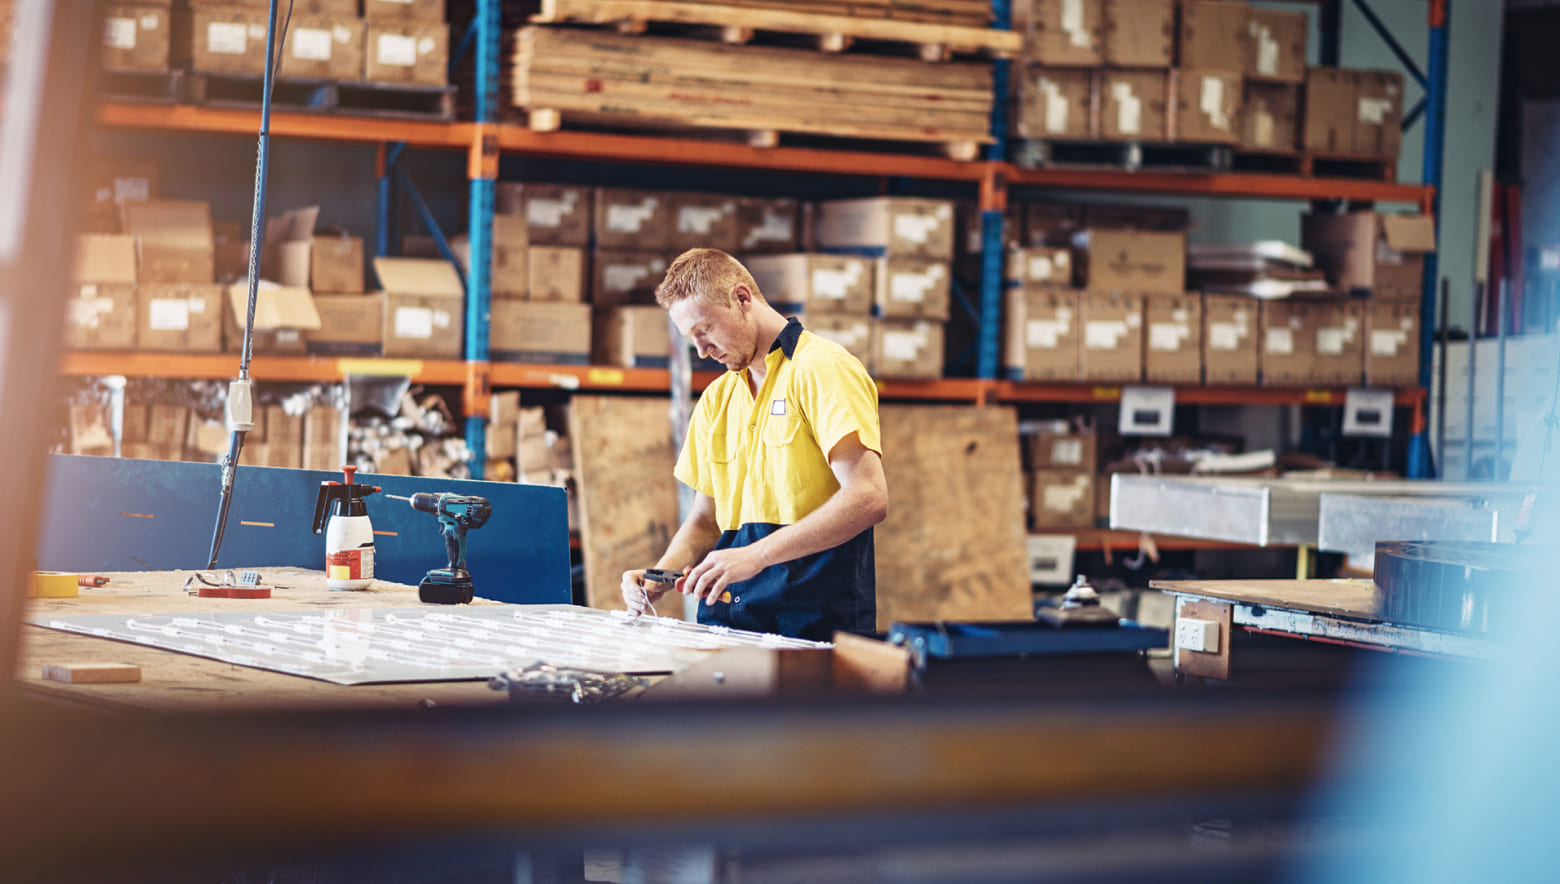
<point>349,536</point>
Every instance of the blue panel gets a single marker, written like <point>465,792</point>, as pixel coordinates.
<point>1435,133</point>
<point>991,256</point>
<point>953,641</point>
<point>115,514</point>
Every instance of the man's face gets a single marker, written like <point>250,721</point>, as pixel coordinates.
<point>723,333</point>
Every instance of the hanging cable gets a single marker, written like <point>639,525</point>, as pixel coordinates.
<point>240,402</point>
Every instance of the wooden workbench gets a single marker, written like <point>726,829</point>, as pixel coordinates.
<point>173,681</point>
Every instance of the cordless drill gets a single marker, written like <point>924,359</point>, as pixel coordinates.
<point>457,514</point>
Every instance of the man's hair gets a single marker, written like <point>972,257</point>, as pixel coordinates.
<point>709,274</point>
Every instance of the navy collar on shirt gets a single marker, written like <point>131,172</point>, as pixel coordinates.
<point>786,340</point>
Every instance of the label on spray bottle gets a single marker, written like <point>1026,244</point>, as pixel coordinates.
<point>350,564</point>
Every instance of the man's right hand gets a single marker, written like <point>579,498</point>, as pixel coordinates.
<point>638,594</point>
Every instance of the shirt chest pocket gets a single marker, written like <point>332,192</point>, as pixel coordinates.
<point>784,446</point>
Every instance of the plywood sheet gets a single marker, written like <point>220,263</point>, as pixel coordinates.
<point>953,546</point>
<point>624,457</point>
<point>1346,598</point>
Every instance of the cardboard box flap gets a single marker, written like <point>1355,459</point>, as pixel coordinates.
<point>419,276</point>
<point>276,306</point>
<point>292,225</point>
<point>1409,233</point>
<point>170,222</point>
<point>102,257</point>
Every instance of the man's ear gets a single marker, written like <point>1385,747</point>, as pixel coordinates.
<point>741,294</point>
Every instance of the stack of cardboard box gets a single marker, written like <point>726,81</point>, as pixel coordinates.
<point>520,448</point>
<point>406,42</point>
<point>539,309</point>
<point>1061,464</point>
<point>179,308</point>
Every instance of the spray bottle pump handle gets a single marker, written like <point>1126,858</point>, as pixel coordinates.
<point>347,471</point>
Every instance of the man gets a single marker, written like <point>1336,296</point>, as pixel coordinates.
<point>785,453</point>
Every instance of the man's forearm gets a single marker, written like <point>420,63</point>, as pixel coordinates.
<point>845,515</point>
<point>692,542</point>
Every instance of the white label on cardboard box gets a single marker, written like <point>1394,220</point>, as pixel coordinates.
<point>1129,109</point>
<point>1062,498</point>
<point>850,338</point>
<point>1039,268</point>
<point>1055,106</point>
<point>257,33</point>
<point>903,346</point>
<point>1134,320</point>
<point>545,213</point>
<point>227,38</point>
<point>132,189</point>
<point>169,314</point>
<point>1180,314</point>
<point>831,284</point>
<point>630,218</point>
<point>1263,128</point>
<point>911,287</point>
<point>151,21</point>
<point>197,306</point>
<point>441,319</point>
<point>396,50</point>
<point>623,277</point>
<point>697,219</point>
<point>1267,50</point>
<point>1072,24</point>
<point>341,34</point>
<point>1042,334</point>
<point>913,228</point>
<point>1241,317</point>
<point>288,336</point>
<point>1329,341</point>
<point>1385,254</point>
<point>414,322</point>
<point>1166,337</point>
<point>426,45</point>
<point>1224,336</point>
<point>1386,341</point>
<point>1373,111</point>
<point>1103,334</point>
<point>776,227</point>
<point>311,44</point>
<point>1280,341</point>
<point>1067,451</point>
<point>85,312</point>
<point>1212,104</point>
<point>88,290</point>
<point>119,33</point>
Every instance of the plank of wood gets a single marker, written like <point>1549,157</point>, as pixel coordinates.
<point>953,546</point>
<point>1348,598</point>
<point>865,665</point>
<point>92,673</point>
<point>778,19</point>
<point>584,111</point>
<point>624,458</point>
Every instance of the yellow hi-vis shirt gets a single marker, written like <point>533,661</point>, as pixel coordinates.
<point>764,461</point>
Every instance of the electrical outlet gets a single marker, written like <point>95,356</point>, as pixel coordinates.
<point>1197,635</point>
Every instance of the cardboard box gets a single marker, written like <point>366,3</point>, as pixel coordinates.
<point>632,220</point>
<point>1041,338</point>
<point>508,273</point>
<point>101,316</point>
<point>350,325</point>
<point>632,337</point>
<point>1061,499</point>
<point>1055,103</point>
<point>557,273</point>
<point>1369,253</point>
<point>703,221</point>
<point>1339,343</point>
<point>1392,344</point>
<point>814,284</point>
<point>1133,105</point>
<point>888,226</point>
<point>1214,36</point>
<point>503,426</point>
<point>174,238</point>
<point>112,181</point>
<point>1039,267</point>
<point>1378,121</point>
<point>222,39</point>
<point>179,317</point>
<point>767,226</point>
<point>336,264</point>
<point>404,10</point>
<point>205,440</point>
<point>1276,47</point>
<point>1068,33</point>
<point>103,257</point>
<point>1139,33</point>
<point>324,47</point>
<point>555,214</point>
<point>907,349</point>
<point>1270,119</point>
<point>1172,351</point>
<point>1231,350</point>
<point>1078,452</point>
<point>136,37</point>
<point>541,332</point>
<point>416,53</point>
<point>282,315</point>
<point>854,333</point>
<point>909,288</point>
<point>625,277</point>
<point>1288,343</point>
<point>167,426</point>
<point>283,438</point>
<point>1051,224</point>
<point>324,438</point>
<point>1330,108</point>
<point>1111,348</point>
<point>425,310</point>
<point>1146,262</point>
<point>1208,105</point>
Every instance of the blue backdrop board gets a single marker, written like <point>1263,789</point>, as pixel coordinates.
<point>119,514</point>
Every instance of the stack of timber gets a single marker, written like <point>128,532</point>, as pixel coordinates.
<point>581,78</point>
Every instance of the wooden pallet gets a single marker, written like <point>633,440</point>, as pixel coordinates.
<point>142,87</point>
<point>575,78</point>
<point>1316,164</point>
<point>381,100</point>
<point>739,24</point>
<point>1125,155</point>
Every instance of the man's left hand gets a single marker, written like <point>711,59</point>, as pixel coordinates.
<point>719,570</point>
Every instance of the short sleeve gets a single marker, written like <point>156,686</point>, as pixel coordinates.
<point>839,398</point>
<point>692,468</point>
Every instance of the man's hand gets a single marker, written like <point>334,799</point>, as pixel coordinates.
<point>638,594</point>
<point>719,570</point>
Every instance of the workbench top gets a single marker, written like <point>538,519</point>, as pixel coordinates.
<point>1355,599</point>
<point>181,682</point>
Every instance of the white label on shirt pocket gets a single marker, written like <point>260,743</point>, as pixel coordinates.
<point>777,408</point>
